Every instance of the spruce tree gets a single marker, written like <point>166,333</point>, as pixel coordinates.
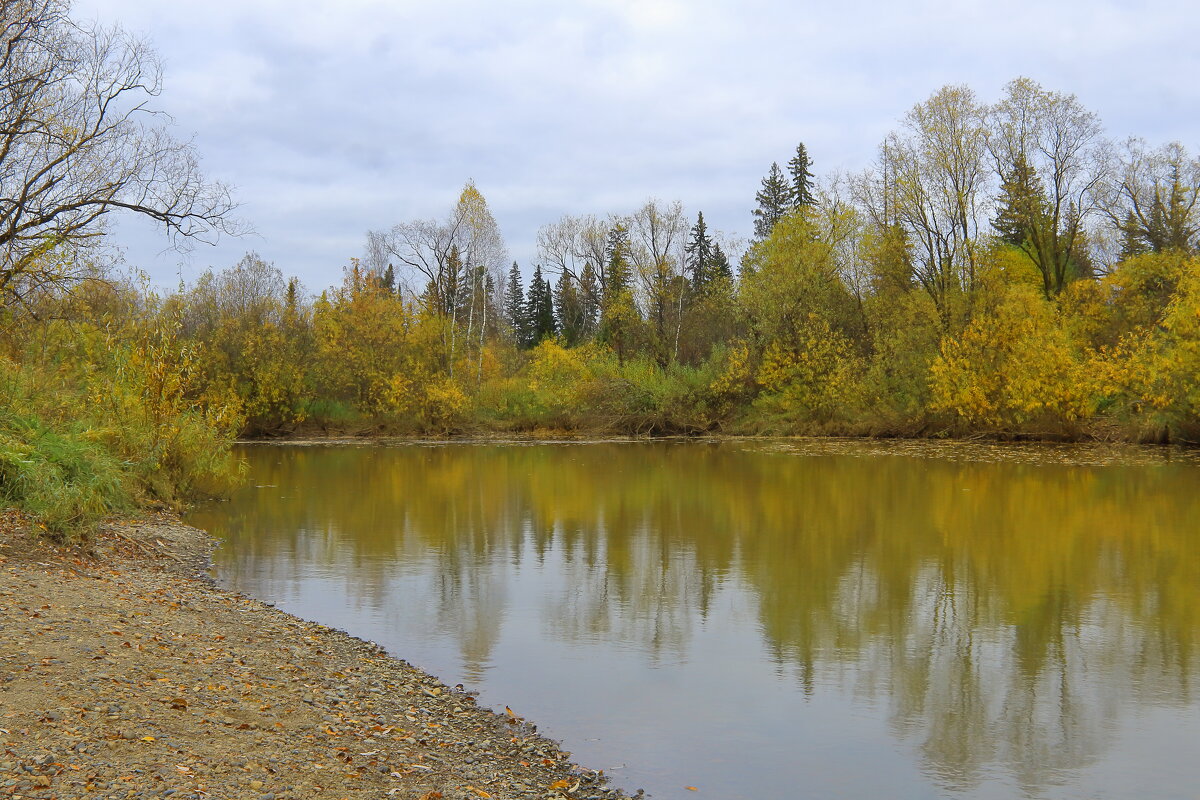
<point>774,201</point>
<point>721,268</point>
<point>514,304</point>
<point>568,310</point>
<point>801,188</point>
<point>620,268</point>
<point>539,307</point>
<point>698,254</point>
<point>1022,207</point>
<point>589,297</point>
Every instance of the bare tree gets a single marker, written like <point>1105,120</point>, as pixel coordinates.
<point>458,260</point>
<point>79,139</point>
<point>1152,198</point>
<point>658,233</point>
<point>1049,155</point>
<point>930,184</point>
<point>566,246</point>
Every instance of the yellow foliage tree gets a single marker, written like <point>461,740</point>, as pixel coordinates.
<point>1013,369</point>
<point>818,379</point>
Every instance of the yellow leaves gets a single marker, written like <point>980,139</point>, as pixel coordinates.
<point>1012,367</point>
<point>816,379</point>
<point>736,377</point>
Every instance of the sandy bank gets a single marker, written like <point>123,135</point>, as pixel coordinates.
<point>125,672</point>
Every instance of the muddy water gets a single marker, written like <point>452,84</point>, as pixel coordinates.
<point>769,619</point>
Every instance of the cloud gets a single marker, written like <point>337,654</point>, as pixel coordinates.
<point>336,118</point>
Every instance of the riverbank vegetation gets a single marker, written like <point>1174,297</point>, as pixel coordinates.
<point>1000,269</point>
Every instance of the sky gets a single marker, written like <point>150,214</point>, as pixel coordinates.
<point>330,119</point>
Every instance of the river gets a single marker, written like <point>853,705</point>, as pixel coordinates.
<point>791,618</point>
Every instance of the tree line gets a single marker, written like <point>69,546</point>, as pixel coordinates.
<point>1000,268</point>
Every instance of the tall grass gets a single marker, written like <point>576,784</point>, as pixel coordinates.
<point>96,420</point>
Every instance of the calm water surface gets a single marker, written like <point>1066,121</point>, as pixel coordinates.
<point>769,619</point>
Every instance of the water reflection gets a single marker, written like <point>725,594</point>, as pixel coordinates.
<point>1007,618</point>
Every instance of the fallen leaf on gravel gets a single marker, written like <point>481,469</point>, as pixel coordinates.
<point>433,795</point>
<point>480,792</point>
<point>560,784</point>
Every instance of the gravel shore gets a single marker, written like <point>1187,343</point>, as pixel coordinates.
<point>126,673</point>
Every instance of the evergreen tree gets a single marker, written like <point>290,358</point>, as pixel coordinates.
<point>620,322</point>
<point>801,188</point>
<point>389,279</point>
<point>292,299</point>
<point>539,309</point>
<point>589,297</point>
<point>774,200</point>
<point>568,311</point>
<point>1133,241</point>
<point>514,303</point>
<point>698,255</point>
<point>442,296</point>
<point>721,267</point>
<point>1021,207</point>
<point>620,265</point>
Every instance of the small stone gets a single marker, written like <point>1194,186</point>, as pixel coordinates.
<point>256,785</point>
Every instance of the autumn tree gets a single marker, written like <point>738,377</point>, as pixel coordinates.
<point>929,186</point>
<point>620,321</point>
<point>657,232</point>
<point>1047,151</point>
<point>1152,198</point>
<point>254,330</point>
<point>79,139</point>
<point>454,259</point>
<point>569,311</point>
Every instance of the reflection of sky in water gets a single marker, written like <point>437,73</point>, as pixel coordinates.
<point>758,625</point>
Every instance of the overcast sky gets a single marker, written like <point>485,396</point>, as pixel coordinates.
<point>334,118</point>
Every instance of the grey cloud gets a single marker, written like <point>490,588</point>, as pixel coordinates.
<point>336,118</point>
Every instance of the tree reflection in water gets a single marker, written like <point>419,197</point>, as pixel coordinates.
<point>1008,612</point>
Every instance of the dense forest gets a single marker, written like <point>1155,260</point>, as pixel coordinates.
<point>1002,268</point>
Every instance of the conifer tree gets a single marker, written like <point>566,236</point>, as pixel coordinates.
<point>721,267</point>
<point>620,266</point>
<point>798,168</point>
<point>1021,207</point>
<point>589,298</point>
<point>774,201</point>
<point>619,318</point>
<point>539,307</point>
<point>568,310</point>
<point>514,304</point>
<point>699,255</point>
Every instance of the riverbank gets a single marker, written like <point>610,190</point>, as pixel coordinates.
<point>126,672</point>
